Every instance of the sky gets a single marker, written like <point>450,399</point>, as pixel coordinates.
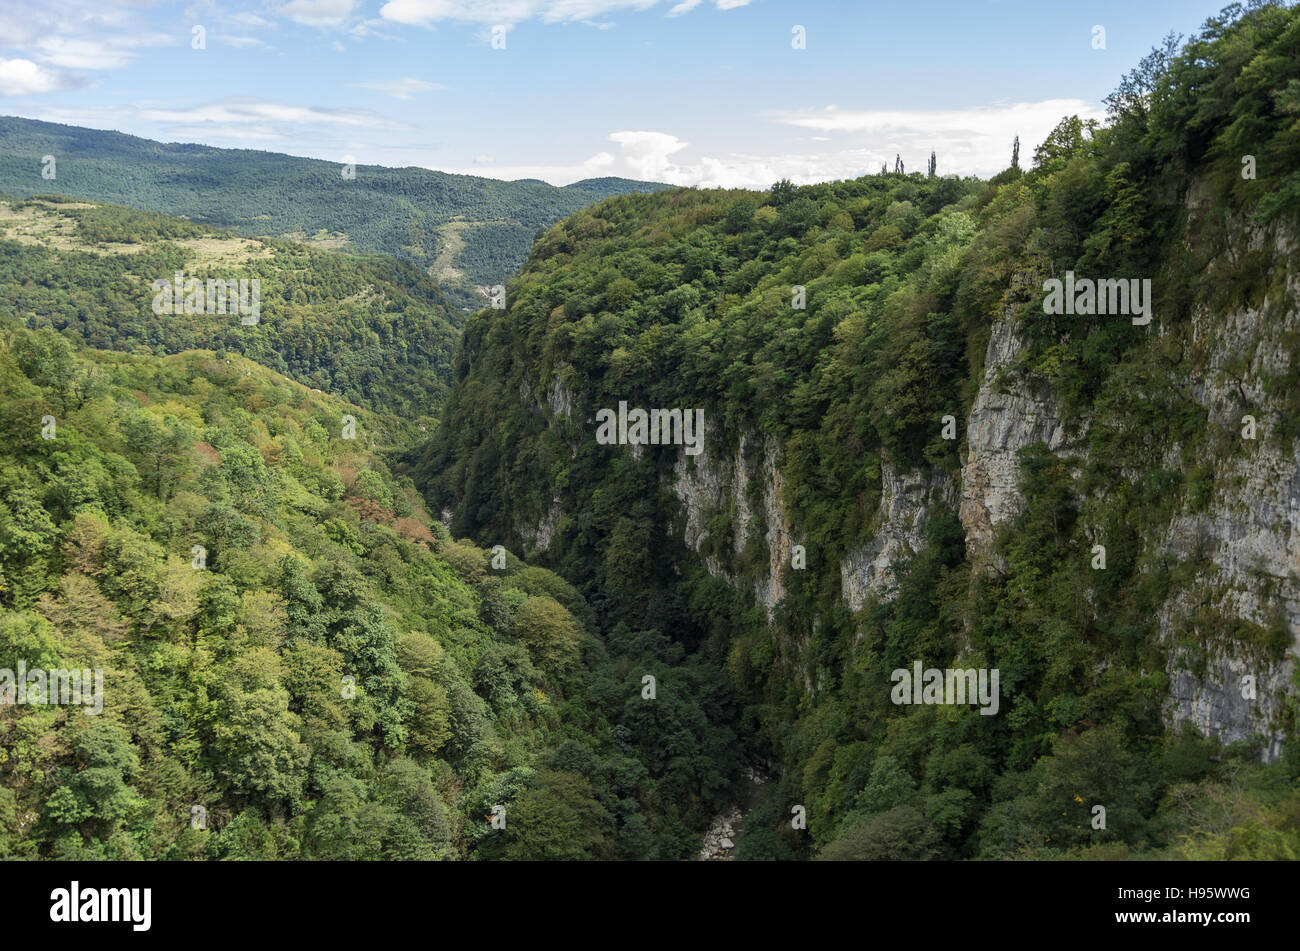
<point>711,93</point>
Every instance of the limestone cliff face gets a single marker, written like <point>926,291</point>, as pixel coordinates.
<point>907,500</point>
<point>537,538</point>
<point>555,400</point>
<point>1007,416</point>
<point>561,400</point>
<point>780,538</point>
<point>711,483</point>
<point>708,485</point>
<point>1246,538</point>
<point>703,483</point>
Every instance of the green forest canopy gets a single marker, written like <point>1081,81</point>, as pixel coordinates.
<point>291,642</point>
<point>369,328</point>
<point>685,299</point>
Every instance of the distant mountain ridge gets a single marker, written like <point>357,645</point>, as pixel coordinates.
<point>464,230</point>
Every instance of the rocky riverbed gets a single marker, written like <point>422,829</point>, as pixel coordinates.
<point>720,841</point>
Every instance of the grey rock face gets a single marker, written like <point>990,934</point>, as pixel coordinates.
<point>906,502</point>
<point>1004,420</point>
<point>1249,531</point>
<point>1247,537</point>
<point>709,483</point>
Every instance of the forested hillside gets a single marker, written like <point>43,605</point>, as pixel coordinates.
<point>317,642</point>
<point>908,458</point>
<point>469,231</point>
<point>367,328</point>
<point>298,662</point>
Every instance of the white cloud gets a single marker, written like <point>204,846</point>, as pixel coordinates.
<point>242,42</point>
<point>22,77</point>
<point>25,22</point>
<point>247,18</point>
<point>966,142</point>
<point>598,165</point>
<point>652,156</point>
<point>257,113</point>
<point>400,88</point>
<point>82,54</point>
<point>647,153</point>
<point>421,12</point>
<point>510,12</point>
<point>318,12</point>
<point>369,28</point>
<point>228,133</point>
<point>975,141</point>
<point>78,34</point>
<point>111,52</point>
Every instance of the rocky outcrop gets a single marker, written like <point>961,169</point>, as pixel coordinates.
<point>1246,539</point>
<point>710,484</point>
<point>780,541</point>
<point>703,484</point>
<point>906,501</point>
<point>707,486</point>
<point>557,401</point>
<point>1007,416</point>
<point>561,400</point>
<point>538,538</point>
